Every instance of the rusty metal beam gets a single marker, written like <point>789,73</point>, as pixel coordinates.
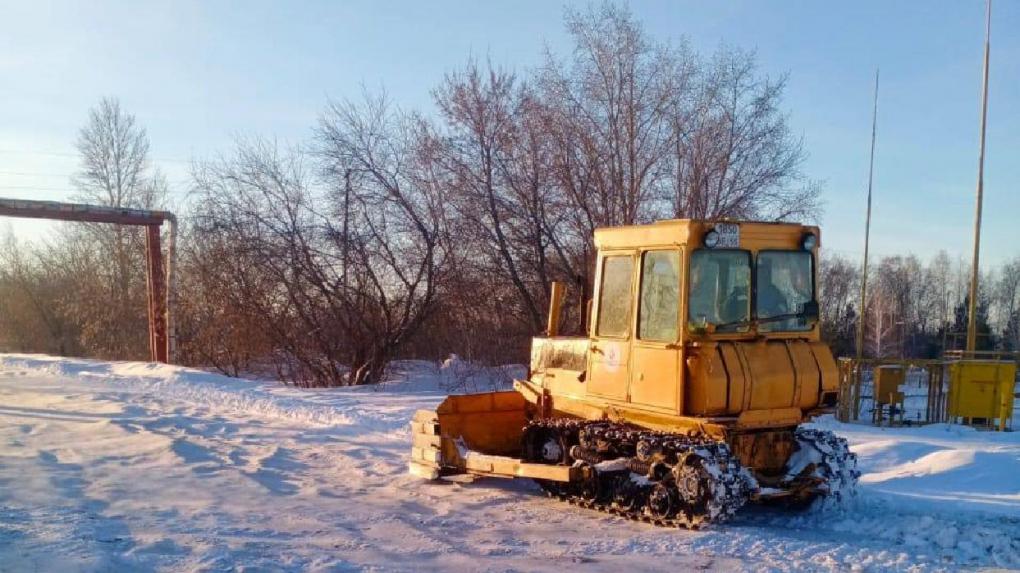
<point>159,275</point>
<point>32,209</point>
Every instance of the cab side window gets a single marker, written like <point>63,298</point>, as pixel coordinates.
<point>615,296</point>
<point>658,313</point>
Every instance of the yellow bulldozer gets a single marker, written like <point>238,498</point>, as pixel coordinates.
<point>685,401</point>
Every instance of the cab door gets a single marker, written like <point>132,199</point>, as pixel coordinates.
<point>655,370</point>
<point>609,351</point>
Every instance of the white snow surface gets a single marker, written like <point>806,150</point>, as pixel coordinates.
<point>139,467</point>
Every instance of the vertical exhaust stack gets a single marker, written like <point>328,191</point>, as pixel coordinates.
<point>555,303</point>
<point>582,304</point>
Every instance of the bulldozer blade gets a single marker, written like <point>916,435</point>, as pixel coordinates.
<point>476,433</point>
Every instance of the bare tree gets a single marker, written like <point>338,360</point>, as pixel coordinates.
<point>32,284</point>
<point>1008,302</point>
<point>390,210</point>
<point>491,156</point>
<point>939,276</point>
<point>337,260</point>
<point>115,171</point>
<point>221,323</point>
<point>337,276</point>
<point>608,113</point>
<point>733,152</point>
<point>114,153</point>
<point>838,285</point>
<point>882,333</point>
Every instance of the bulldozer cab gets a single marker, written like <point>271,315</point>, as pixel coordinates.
<point>701,318</point>
<point>753,281</point>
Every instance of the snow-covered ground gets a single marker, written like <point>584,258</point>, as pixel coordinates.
<point>128,466</point>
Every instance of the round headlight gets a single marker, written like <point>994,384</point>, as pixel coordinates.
<point>809,241</point>
<point>711,239</point>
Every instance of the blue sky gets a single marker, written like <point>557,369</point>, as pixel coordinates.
<point>196,74</point>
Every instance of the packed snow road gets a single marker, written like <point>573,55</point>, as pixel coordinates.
<point>127,466</point>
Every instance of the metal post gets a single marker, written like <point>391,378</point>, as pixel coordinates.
<point>867,227</point>
<point>150,302</point>
<point>929,410</point>
<point>171,289</point>
<point>555,301</point>
<point>582,303</point>
<point>158,339</point>
<point>858,366</point>
<point>972,311</point>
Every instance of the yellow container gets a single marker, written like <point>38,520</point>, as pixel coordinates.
<point>982,389</point>
<point>888,379</point>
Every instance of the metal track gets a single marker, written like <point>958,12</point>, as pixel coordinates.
<point>827,457</point>
<point>668,479</point>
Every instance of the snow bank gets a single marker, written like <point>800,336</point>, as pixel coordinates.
<point>315,407</point>
<point>188,385</point>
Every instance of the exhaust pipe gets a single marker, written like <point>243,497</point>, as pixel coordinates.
<point>555,302</point>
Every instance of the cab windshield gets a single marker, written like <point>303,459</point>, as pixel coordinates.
<point>720,290</point>
<point>784,283</point>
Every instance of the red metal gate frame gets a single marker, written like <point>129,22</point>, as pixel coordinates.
<point>159,276</point>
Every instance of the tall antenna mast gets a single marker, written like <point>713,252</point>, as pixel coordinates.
<point>974,271</point>
<point>867,226</point>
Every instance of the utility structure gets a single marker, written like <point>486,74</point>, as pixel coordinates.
<point>159,274</point>
<point>980,382</point>
<point>855,395</point>
<point>867,226</point>
<point>974,272</point>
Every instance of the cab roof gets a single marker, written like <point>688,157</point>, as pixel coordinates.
<point>753,235</point>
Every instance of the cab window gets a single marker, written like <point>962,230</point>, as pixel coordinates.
<point>720,290</point>
<point>658,312</point>
<point>615,296</point>
<point>784,282</point>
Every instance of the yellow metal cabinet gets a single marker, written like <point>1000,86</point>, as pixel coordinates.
<point>982,389</point>
<point>888,379</point>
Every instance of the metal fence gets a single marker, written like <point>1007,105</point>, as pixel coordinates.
<point>925,389</point>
